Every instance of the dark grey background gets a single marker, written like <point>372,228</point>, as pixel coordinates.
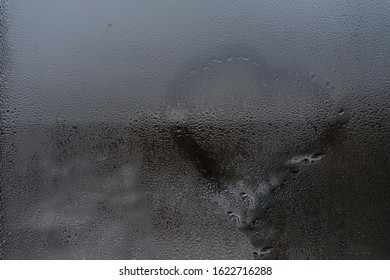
<point>195,129</point>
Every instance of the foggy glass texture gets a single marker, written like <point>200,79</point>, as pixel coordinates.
<point>194,129</point>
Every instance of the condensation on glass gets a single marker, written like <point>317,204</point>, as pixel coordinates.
<point>194,129</point>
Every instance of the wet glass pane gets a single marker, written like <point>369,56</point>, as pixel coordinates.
<point>194,129</point>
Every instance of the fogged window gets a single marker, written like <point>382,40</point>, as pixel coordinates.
<point>195,129</point>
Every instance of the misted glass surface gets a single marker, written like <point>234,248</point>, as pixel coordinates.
<point>195,129</point>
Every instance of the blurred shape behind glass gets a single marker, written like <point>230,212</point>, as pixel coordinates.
<point>194,130</point>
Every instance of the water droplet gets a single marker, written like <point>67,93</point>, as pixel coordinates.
<point>215,60</point>
<point>234,217</point>
<point>317,156</point>
<point>193,71</point>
